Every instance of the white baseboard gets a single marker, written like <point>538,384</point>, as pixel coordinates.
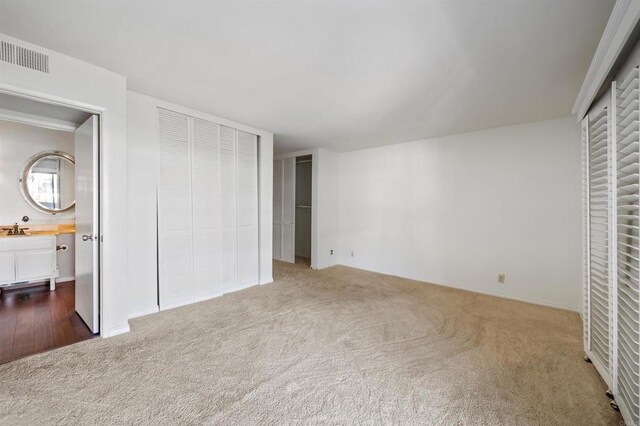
<point>65,279</point>
<point>207,297</point>
<point>266,281</point>
<point>176,304</point>
<point>487,293</point>
<point>116,331</point>
<point>145,312</point>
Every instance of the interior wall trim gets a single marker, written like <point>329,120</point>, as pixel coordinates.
<point>622,22</point>
<point>38,121</point>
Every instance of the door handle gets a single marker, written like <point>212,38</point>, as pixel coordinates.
<point>87,237</point>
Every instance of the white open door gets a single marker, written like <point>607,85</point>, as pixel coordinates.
<point>284,209</point>
<point>87,229</point>
<point>289,210</point>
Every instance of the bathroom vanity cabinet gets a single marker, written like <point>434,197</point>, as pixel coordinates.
<point>28,259</point>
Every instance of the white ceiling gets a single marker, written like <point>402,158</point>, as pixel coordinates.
<point>336,74</point>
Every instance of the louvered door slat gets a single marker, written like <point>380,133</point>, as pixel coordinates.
<point>247,196</point>
<point>229,235</point>
<point>206,209</point>
<point>628,248</point>
<point>174,211</point>
<point>597,162</point>
<point>288,209</point>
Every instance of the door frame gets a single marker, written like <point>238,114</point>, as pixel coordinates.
<point>47,98</point>
<point>314,200</point>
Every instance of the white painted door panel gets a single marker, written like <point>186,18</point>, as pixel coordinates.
<point>7,271</point>
<point>247,193</point>
<point>206,264</point>
<point>248,251</point>
<point>229,235</point>
<point>228,259</point>
<point>277,209</point>
<point>87,226</point>
<point>205,191</point>
<point>175,268</point>
<point>288,241</point>
<point>174,211</point>
<point>277,241</point>
<point>288,209</point>
<point>207,209</point>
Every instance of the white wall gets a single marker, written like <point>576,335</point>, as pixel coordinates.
<point>459,210</point>
<point>74,82</point>
<point>18,143</point>
<point>142,164</point>
<point>325,233</point>
<point>142,160</point>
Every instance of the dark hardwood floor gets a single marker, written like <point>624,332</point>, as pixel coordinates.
<point>35,320</point>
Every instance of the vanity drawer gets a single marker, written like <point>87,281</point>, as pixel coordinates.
<point>27,243</point>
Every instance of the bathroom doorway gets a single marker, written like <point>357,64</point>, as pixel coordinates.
<point>49,226</point>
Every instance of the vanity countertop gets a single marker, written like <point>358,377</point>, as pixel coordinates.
<point>41,229</point>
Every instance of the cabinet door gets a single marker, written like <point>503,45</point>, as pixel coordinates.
<point>7,271</point>
<point>33,265</point>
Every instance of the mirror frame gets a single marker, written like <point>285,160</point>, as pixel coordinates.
<point>25,174</point>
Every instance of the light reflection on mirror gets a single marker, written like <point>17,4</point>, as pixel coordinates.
<point>50,183</point>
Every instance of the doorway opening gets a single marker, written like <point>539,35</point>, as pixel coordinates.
<point>303,210</point>
<point>293,209</point>
<point>49,226</point>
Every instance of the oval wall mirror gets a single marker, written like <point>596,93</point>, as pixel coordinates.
<point>48,181</point>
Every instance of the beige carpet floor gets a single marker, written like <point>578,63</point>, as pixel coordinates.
<point>338,346</point>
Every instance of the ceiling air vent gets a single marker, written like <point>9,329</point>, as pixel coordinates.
<point>24,57</point>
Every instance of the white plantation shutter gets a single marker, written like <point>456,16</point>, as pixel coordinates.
<point>611,173</point>
<point>586,224</point>
<point>208,239</point>
<point>206,212</point>
<point>628,249</point>
<point>247,190</point>
<point>174,211</point>
<point>599,239</point>
<point>228,208</point>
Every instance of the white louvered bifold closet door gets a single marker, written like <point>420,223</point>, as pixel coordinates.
<point>208,236</point>
<point>599,343</point>
<point>205,178</point>
<point>288,209</point>
<point>628,252</point>
<point>247,190</point>
<point>277,209</point>
<point>174,211</point>
<point>229,232</point>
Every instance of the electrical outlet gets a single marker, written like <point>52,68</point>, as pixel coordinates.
<point>501,278</point>
<point>351,254</point>
<point>331,252</point>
